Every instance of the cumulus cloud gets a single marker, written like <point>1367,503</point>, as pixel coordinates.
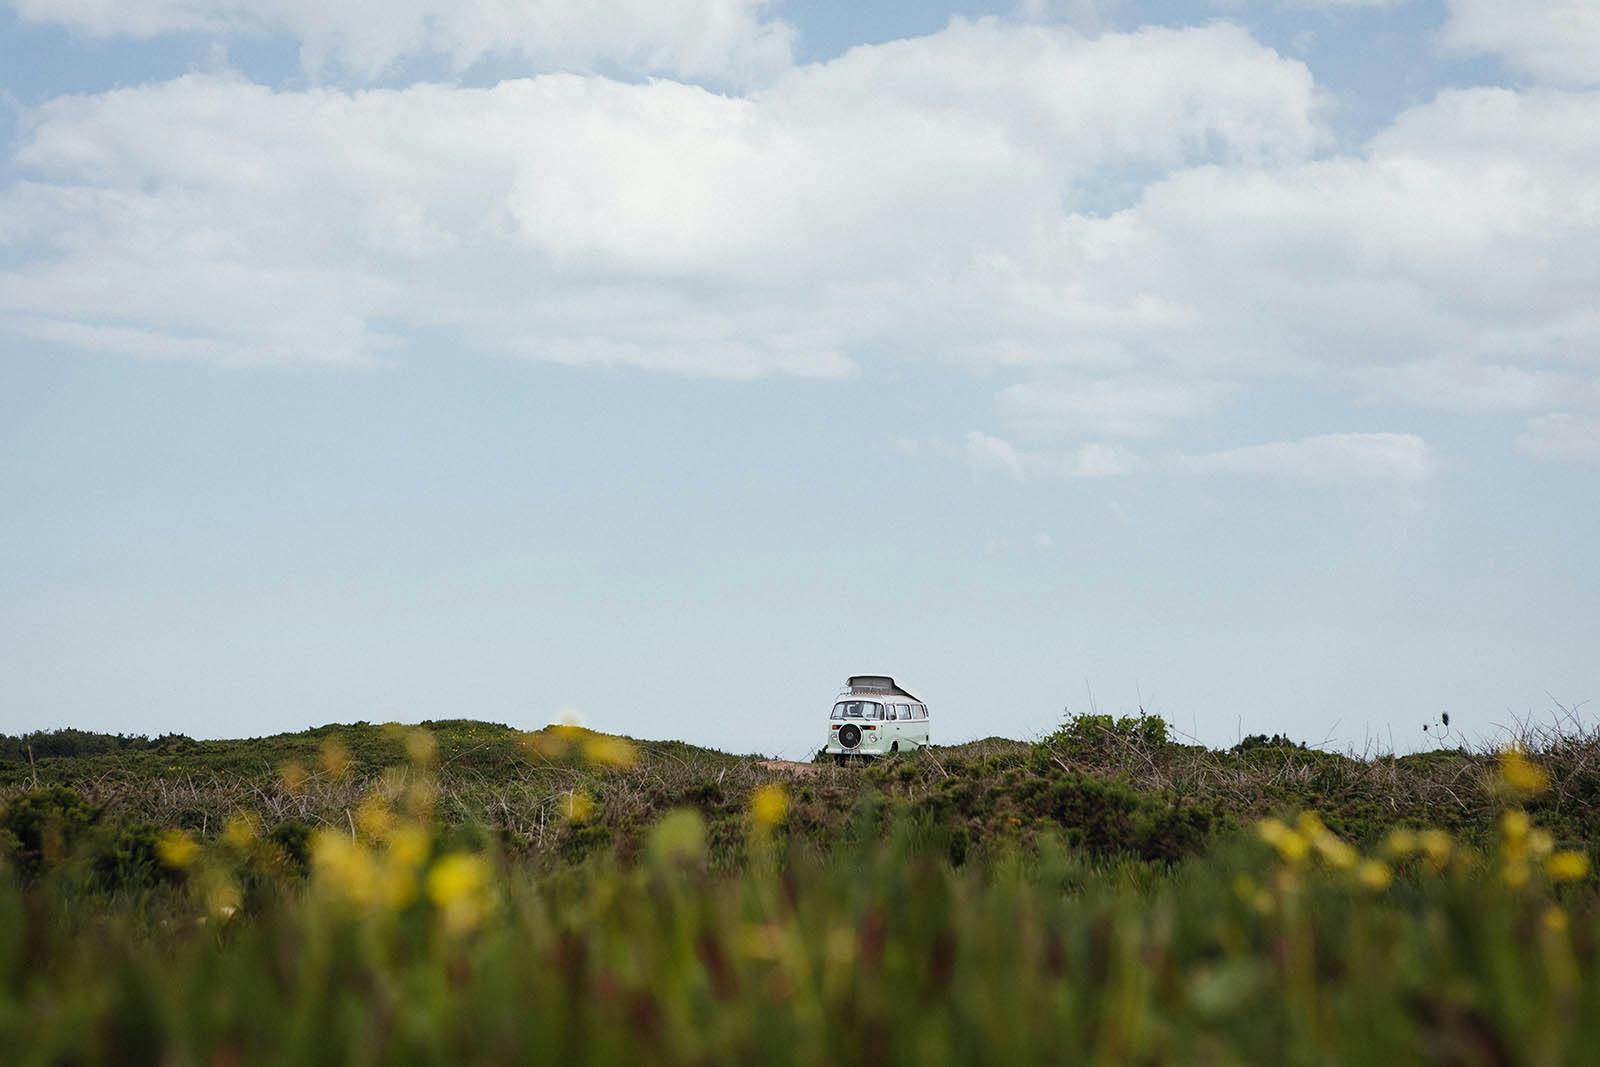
<point>988,454</point>
<point>1113,406</point>
<point>896,196</point>
<point>1562,437</point>
<point>1553,40</point>
<point>1135,229</point>
<point>1470,387</point>
<point>1332,458</point>
<point>730,40</point>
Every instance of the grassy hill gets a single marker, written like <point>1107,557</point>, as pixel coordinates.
<point>1112,786</point>
<point>461,892</point>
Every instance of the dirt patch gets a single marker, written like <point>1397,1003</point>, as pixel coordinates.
<point>784,766</point>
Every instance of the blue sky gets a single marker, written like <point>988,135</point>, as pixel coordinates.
<point>669,361</point>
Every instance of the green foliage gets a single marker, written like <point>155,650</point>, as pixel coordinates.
<point>1086,736</point>
<point>40,828</point>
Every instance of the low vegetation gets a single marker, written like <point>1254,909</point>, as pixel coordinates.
<point>463,892</point>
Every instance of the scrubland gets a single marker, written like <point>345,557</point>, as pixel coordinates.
<point>461,892</point>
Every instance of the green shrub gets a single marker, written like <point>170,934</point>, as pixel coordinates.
<point>41,828</point>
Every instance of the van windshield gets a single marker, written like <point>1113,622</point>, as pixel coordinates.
<point>858,709</point>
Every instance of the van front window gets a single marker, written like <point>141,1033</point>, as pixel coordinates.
<point>858,709</point>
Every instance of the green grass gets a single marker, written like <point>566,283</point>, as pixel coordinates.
<point>1101,897</point>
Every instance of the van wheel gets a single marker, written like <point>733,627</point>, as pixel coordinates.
<point>894,749</point>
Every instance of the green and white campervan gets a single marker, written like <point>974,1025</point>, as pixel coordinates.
<point>876,716</point>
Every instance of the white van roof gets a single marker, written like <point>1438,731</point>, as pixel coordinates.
<point>880,686</point>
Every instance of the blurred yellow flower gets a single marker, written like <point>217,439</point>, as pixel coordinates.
<point>422,748</point>
<point>408,845</point>
<point>1291,846</point>
<point>294,776</point>
<point>1310,824</point>
<point>606,750</point>
<point>1515,874</point>
<point>577,806</point>
<point>1540,843</point>
<point>1336,851</point>
<point>241,829</point>
<point>1400,843</point>
<point>1521,775</point>
<point>458,885</point>
<point>345,867</point>
<point>1555,919</point>
<point>1374,875</point>
<point>177,849</point>
<point>1568,866</point>
<point>421,797</point>
<point>373,817</point>
<point>680,836</point>
<point>334,757</point>
<point>1514,826</point>
<point>769,805</point>
<point>223,897</point>
<point>1436,845</point>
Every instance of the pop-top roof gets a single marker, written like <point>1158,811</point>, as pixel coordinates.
<point>880,685</point>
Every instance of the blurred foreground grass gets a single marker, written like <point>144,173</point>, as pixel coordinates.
<point>893,939</point>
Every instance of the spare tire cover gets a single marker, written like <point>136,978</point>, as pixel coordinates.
<point>850,735</point>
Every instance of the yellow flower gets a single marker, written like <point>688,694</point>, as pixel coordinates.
<point>1436,845</point>
<point>1400,843</point>
<point>345,867</point>
<point>422,748</point>
<point>1514,826</point>
<point>577,806</point>
<point>1374,875</point>
<point>294,776</point>
<point>240,830</point>
<point>1310,824</point>
<point>177,849</point>
<point>680,837</point>
<point>408,845</point>
<point>769,805</point>
<point>1515,874</point>
<point>421,797</point>
<point>458,885</point>
<point>223,898</point>
<point>1290,845</point>
<point>334,757</point>
<point>1568,866</point>
<point>1336,851</point>
<point>374,818</point>
<point>1555,920</point>
<point>1521,775</point>
<point>608,751</point>
<point>1540,843</point>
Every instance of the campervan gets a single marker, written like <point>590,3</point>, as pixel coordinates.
<point>874,715</point>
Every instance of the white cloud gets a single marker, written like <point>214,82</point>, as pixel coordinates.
<point>897,197</point>
<point>1554,40</point>
<point>1140,227</point>
<point>1472,387</point>
<point>1340,4</point>
<point>988,454</point>
<point>1335,458</point>
<point>1115,406</point>
<point>731,40</point>
<point>1563,438</point>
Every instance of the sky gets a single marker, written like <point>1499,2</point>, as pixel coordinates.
<point>663,362</point>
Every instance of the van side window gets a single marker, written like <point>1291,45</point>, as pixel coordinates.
<point>922,711</point>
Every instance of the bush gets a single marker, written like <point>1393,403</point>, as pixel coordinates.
<point>40,828</point>
<point>1092,736</point>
